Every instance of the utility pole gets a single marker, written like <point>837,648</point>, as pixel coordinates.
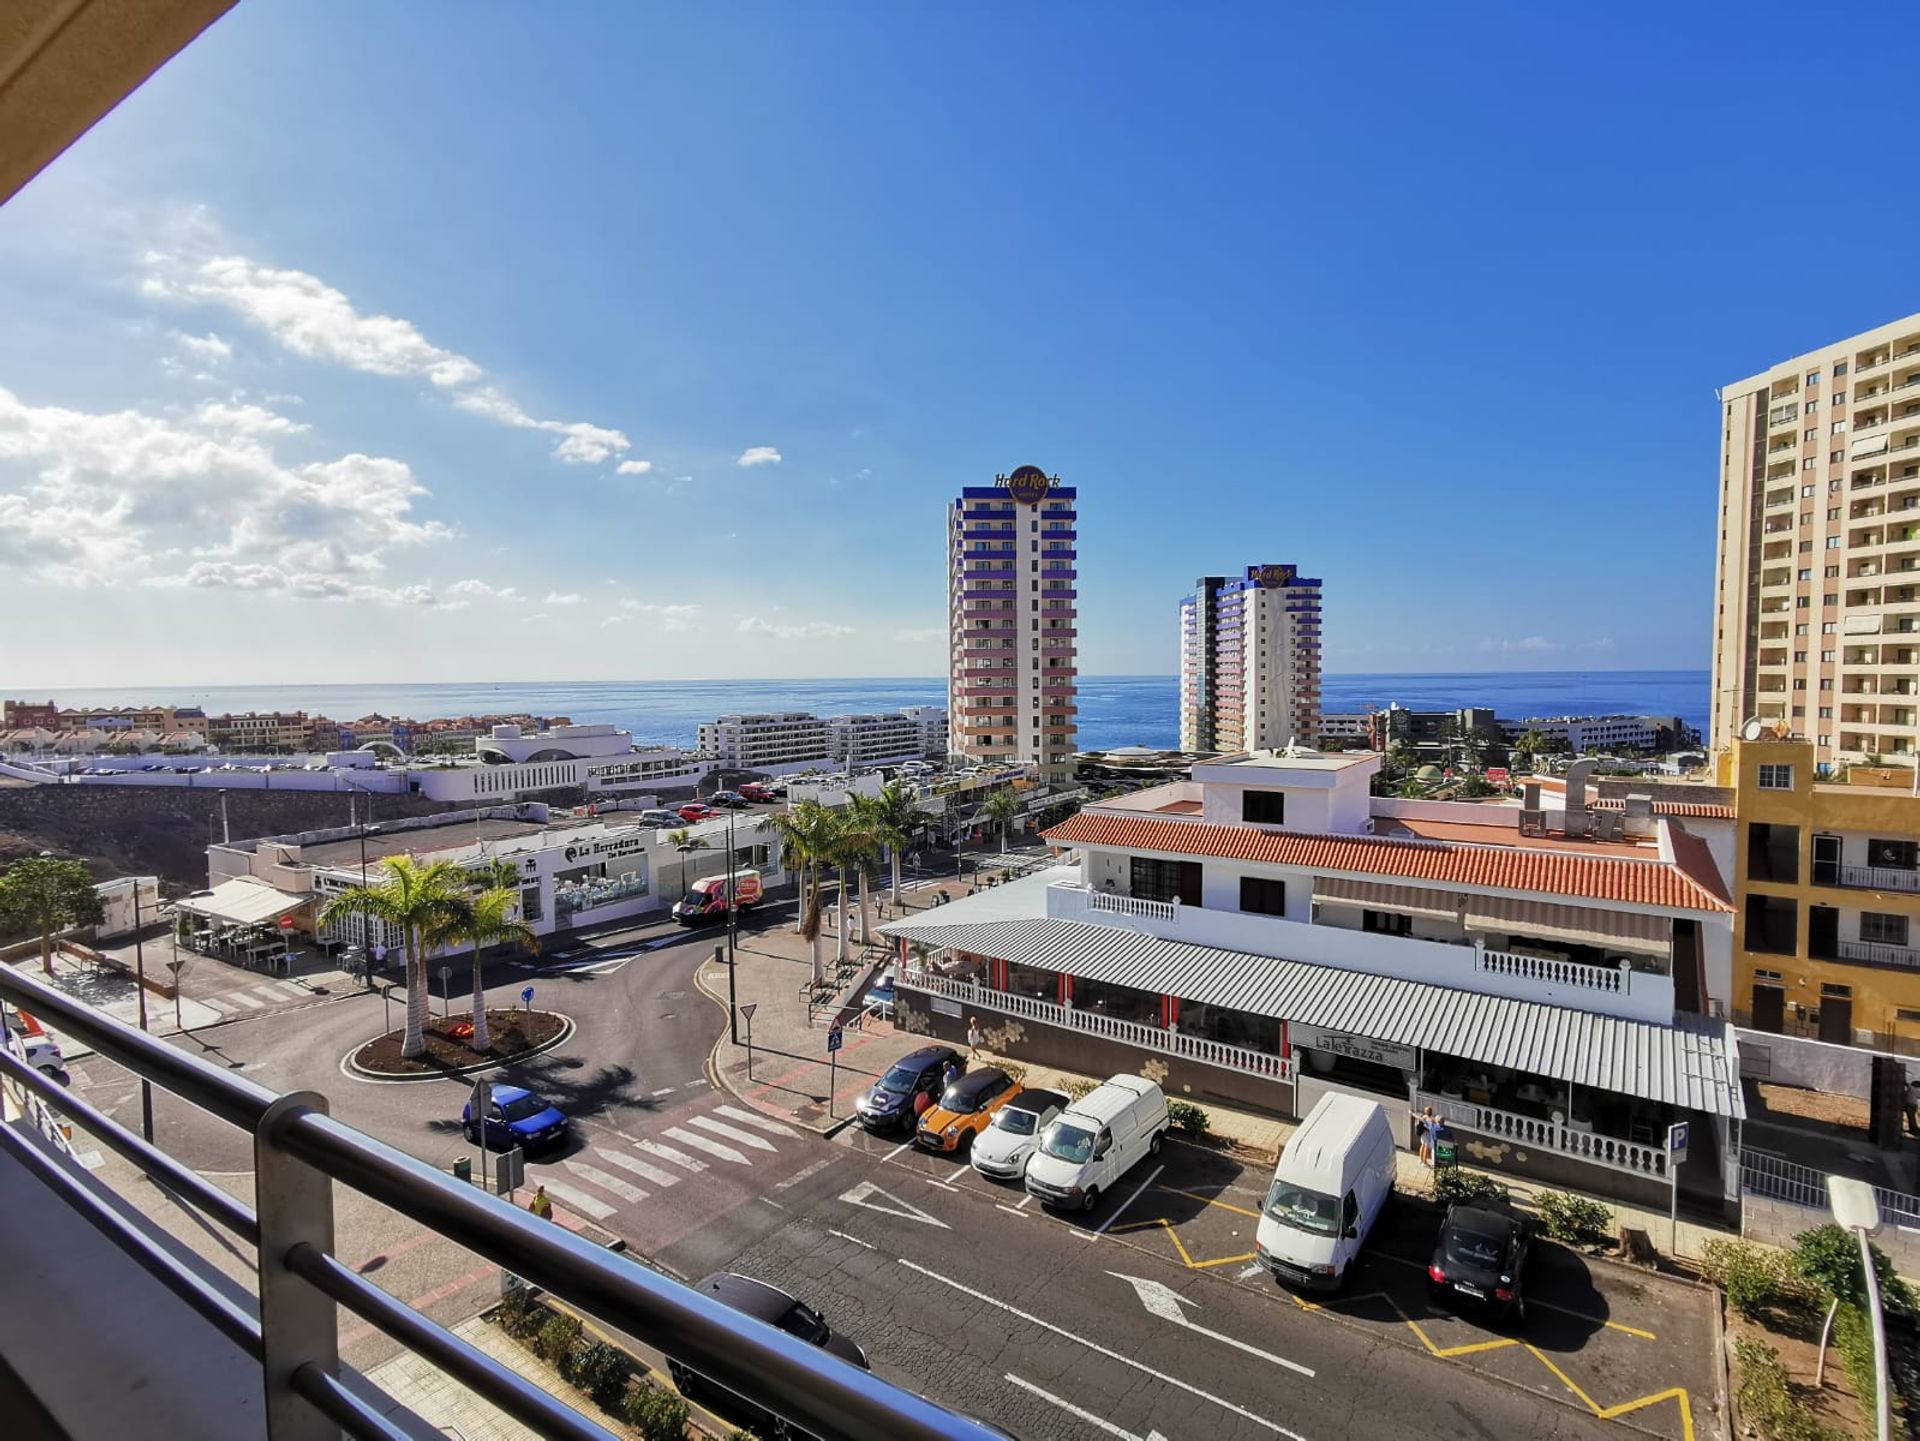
<point>140,985</point>
<point>733,927</point>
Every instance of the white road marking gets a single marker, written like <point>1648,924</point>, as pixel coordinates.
<point>1025,1202</point>
<point>1254,1270</point>
<point>732,1133</point>
<point>607,1181</point>
<point>1087,1416</point>
<point>666,1091</point>
<point>292,988</point>
<point>771,1202</point>
<point>707,1144</point>
<point>863,1194</point>
<point>898,1149</point>
<point>1110,1354</point>
<point>1163,1301</point>
<point>241,998</point>
<point>218,1003</point>
<point>579,1200</point>
<point>655,1174</point>
<point>855,1239</point>
<point>1010,1210</point>
<point>1130,1200</point>
<point>667,1153</point>
<point>798,1176</point>
<point>941,1184</point>
<point>753,1118</point>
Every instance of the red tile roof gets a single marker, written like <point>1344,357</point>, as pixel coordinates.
<point>1692,885</point>
<point>1695,810</point>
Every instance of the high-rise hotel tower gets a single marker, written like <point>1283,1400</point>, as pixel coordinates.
<point>1816,622</point>
<point>1011,604</point>
<point>1250,661</point>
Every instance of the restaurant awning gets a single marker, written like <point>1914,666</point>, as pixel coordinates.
<point>1581,925</point>
<point>241,902</point>
<point>1384,896</point>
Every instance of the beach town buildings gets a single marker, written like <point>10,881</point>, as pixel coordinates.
<point>1608,734</point>
<point>1817,587</point>
<point>1551,977</point>
<point>915,733</point>
<point>1012,628</point>
<point>1250,661</point>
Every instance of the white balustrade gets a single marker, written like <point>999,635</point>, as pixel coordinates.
<point>1132,906</point>
<point>1552,972</point>
<point>1203,1049</point>
<point>1633,1157</point>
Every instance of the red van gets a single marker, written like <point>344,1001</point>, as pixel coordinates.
<point>754,791</point>
<point>706,900</point>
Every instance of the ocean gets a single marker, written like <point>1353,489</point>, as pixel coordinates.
<point>1114,710</point>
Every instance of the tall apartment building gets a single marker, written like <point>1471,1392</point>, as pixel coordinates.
<point>1012,601</point>
<point>1817,588</point>
<point>1250,661</point>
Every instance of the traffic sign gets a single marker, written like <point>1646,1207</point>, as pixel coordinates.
<point>286,923</point>
<point>527,995</point>
<point>445,971</point>
<point>748,1009</point>
<point>1677,1140</point>
<point>834,1038</point>
<point>478,1104</point>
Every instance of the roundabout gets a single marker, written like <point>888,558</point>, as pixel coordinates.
<point>514,1035</point>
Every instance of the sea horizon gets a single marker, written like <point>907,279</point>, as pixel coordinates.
<point>1114,709</point>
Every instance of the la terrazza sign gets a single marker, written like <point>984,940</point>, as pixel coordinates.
<point>1028,485</point>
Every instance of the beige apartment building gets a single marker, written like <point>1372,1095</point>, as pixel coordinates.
<point>1817,587</point>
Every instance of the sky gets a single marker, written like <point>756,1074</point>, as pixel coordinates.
<point>448,342</point>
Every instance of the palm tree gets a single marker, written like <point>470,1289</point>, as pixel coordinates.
<point>1001,807</point>
<point>419,902</point>
<point>896,818</point>
<point>806,832</point>
<point>860,838</point>
<point>1529,747</point>
<point>489,917</point>
<point>686,842</point>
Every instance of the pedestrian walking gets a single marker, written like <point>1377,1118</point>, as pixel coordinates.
<point>541,1205</point>
<point>1429,1124</point>
<point>950,1075</point>
<point>1913,1105</point>
<point>973,1042</point>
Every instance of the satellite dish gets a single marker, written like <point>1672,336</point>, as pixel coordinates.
<point>1753,729</point>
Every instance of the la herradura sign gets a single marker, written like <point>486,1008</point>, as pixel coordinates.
<point>1028,485</point>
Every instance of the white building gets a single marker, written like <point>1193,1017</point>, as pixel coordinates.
<point>772,743</point>
<point>1597,734</point>
<point>561,743</point>
<point>1250,661</point>
<point>887,739</point>
<point>1553,983</point>
<point>1347,727</point>
<point>118,906</point>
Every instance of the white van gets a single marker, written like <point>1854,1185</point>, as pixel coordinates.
<point>1333,1178</point>
<point>1096,1140</point>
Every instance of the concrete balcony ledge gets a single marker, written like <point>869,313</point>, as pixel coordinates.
<point>1633,995</point>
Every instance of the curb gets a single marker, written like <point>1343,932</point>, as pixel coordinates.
<point>720,1082</point>
<point>354,1071</point>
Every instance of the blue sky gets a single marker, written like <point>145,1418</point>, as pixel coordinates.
<point>324,354</point>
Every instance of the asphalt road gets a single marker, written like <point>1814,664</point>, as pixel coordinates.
<point>1144,1318</point>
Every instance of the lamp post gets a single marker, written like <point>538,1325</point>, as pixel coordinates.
<point>366,925</point>
<point>733,925</point>
<point>1856,1209</point>
<point>140,985</point>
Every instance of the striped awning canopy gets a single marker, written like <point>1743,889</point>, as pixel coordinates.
<point>1692,1063</point>
<point>1582,925</point>
<point>1385,896</point>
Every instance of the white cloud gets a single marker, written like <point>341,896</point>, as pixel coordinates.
<point>317,321</point>
<point>759,455</point>
<point>482,588</point>
<point>202,500</point>
<point>794,630</point>
<point>615,620</point>
<point>530,619</point>
<point>665,617</point>
<point>922,636</point>
<point>1604,642</point>
<point>1535,644</point>
<point>568,598</point>
<point>208,349</point>
<point>633,467</point>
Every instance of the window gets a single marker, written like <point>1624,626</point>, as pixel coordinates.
<point>1833,542</point>
<point>1771,923</point>
<point>1812,405</point>
<point>1810,433</point>
<point>1826,657</point>
<point>1263,897</point>
<point>1806,574</point>
<point>1813,377</point>
<point>1807,464</point>
<point>1828,627</point>
<point>1839,397</point>
<point>1156,880</point>
<point>1264,808</point>
<point>1831,572</point>
<point>1806,490</point>
<point>1839,993</point>
<point>1386,923</point>
<point>1776,778</point>
<point>1833,458</point>
<point>1839,428</point>
<point>1839,369</point>
<point>1893,855</point>
<point>1883,930</point>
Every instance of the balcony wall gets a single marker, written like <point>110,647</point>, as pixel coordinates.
<point>1633,994</point>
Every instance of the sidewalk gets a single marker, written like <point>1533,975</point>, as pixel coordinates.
<point>116,994</point>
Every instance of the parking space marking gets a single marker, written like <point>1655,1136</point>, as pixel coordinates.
<point>1185,1256</point>
<point>1130,1200</point>
<point>1609,1413</point>
<point>1010,1210</point>
<point>1098,1349</point>
<point>1619,1326</point>
<point>1211,1201</point>
<point>1099,1422</point>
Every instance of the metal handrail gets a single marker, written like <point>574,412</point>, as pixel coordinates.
<point>306,1150</point>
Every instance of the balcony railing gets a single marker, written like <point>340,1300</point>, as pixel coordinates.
<point>1204,1049</point>
<point>1873,953</point>
<point>300,1153</point>
<point>1866,878</point>
<point>1581,1142</point>
<point>1131,905</point>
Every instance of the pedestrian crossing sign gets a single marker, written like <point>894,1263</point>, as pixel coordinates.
<point>834,1038</point>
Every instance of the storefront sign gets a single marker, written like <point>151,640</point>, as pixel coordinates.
<point>1357,1048</point>
<point>620,846</point>
<point>1272,577</point>
<point>1028,485</point>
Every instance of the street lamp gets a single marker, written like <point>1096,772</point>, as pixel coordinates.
<point>1856,1208</point>
<point>733,923</point>
<point>140,985</point>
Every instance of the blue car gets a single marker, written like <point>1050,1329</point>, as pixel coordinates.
<point>517,1117</point>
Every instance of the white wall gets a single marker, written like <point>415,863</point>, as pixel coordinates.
<point>1816,1065</point>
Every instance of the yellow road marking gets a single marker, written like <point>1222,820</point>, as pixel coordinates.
<point>1209,1200</point>
<point>1608,1413</point>
<point>1185,1255</point>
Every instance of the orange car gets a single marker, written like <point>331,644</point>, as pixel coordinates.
<point>964,1109</point>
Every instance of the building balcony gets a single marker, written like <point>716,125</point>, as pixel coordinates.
<point>1637,995</point>
<point>1871,953</point>
<point>1867,878</point>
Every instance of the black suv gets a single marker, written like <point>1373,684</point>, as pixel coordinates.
<point>888,1105</point>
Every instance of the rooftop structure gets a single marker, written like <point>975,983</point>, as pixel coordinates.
<point>1817,603</point>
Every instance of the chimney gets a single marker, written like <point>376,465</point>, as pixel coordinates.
<point>1639,817</point>
<point>1578,818</point>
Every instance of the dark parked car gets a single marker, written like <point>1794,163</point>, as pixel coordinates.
<point>517,1117</point>
<point>1481,1257</point>
<point>776,1308</point>
<point>888,1105</point>
<point>730,800</point>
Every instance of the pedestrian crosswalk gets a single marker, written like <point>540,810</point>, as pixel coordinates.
<point>601,1179</point>
<point>268,995</point>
